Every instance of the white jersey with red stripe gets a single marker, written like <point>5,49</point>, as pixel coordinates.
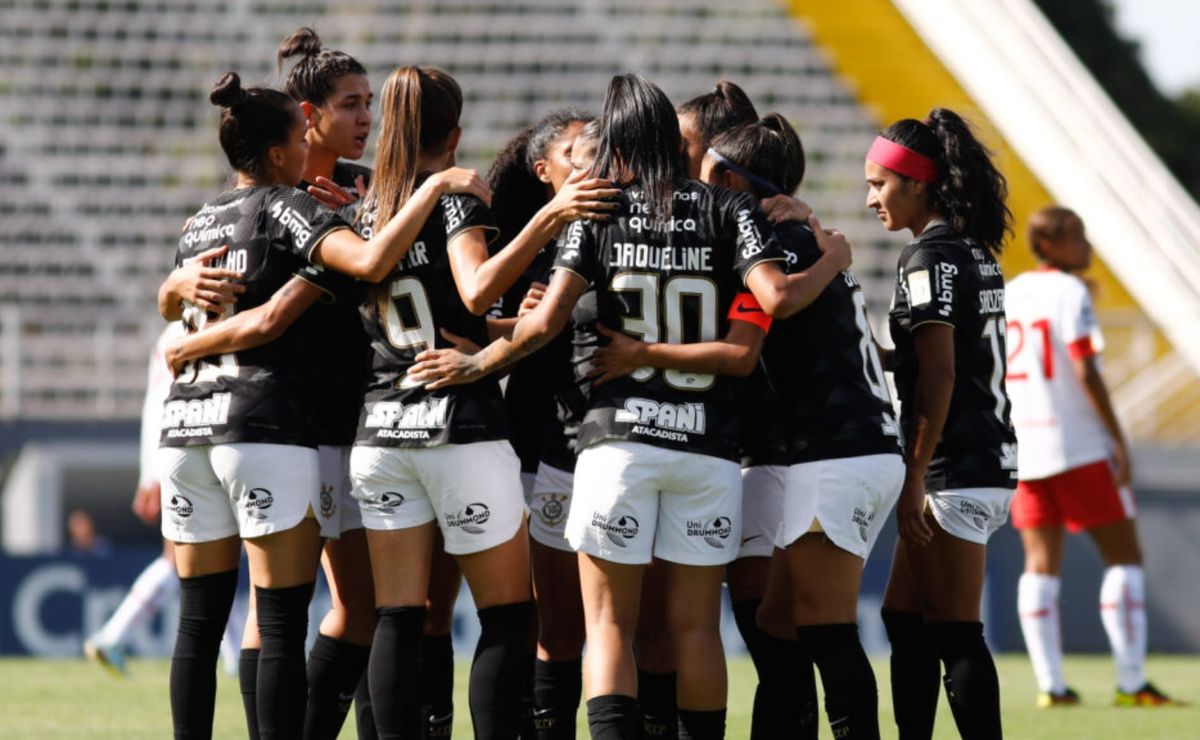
<point>1051,323</point>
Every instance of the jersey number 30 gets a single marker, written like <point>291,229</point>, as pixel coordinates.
<point>649,321</point>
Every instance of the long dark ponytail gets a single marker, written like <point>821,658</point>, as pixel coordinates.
<point>969,191</point>
<point>639,136</point>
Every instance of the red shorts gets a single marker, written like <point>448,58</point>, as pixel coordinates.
<point>1081,498</point>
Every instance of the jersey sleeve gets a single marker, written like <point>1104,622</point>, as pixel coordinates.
<point>465,212</point>
<point>577,252</point>
<point>1081,332</point>
<point>297,222</point>
<point>756,240</point>
<point>931,283</point>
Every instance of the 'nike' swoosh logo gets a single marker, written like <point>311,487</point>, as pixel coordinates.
<point>751,537</point>
<point>743,309</point>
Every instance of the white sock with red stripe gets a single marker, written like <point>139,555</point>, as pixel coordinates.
<point>156,584</point>
<point>1037,603</point>
<point>1123,612</point>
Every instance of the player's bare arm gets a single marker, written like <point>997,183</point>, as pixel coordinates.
<point>344,251</point>
<point>253,328</point>
<point>934,347</point>
<point>1089,376</point>
<point>783,295</point>
<point>443,367</point>
<point>735,355</point>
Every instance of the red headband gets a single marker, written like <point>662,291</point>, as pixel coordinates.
<point>901,159</point>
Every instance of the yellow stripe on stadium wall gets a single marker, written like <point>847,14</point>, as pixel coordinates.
<point>887,66</point>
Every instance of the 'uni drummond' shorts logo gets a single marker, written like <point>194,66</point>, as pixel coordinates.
<point>180,507</point>
<point>471,518</point>
<point>387,502</point>
<point>257,502</point>
<point>714,532</point>
<point>620,531</point>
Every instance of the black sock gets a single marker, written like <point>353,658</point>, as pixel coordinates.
<point>972,688</point>
<point>660,710</point>
<point>334,669</point>
<point>697,725</point>
<point>248,684</point>
<point>364,721</point>
<point>498,670</point>
<point>556,689</point>
<point>614,717</point>
<point>204,604</point>
<point>851,698</point>
<point>528,661</point>
<point>785,700</point>
<point>916,673</point>
<point>282,683</point>
<point>394,670</point>
<point>437,685</point>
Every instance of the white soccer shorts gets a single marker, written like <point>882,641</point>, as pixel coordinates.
<point>339,510</point>
<point>762,509</point>
<point>634,501</point>
<point>247,489</point>
<point>472,490</point>
<point>846,498</point>
<point>971,514</point>
<point>549,503</point>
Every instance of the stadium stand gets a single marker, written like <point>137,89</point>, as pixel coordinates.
<point>107,143</point>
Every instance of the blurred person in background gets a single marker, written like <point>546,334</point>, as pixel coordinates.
<point>1073,463</point>
<point>158,584</point>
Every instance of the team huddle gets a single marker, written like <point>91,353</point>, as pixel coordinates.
<point>624,370</point>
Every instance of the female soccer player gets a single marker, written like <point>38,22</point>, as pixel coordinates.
<point>656,474</point>
<point>424,455</point>
<point>535,165</point>
<point>236,458</point>
<point>1073,462</point>
<point>705,116</point>
<point>935,179</point>
<point>837,471</point>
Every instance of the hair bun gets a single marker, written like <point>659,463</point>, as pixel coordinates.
<point>303,41</point>
<point>228,91</point>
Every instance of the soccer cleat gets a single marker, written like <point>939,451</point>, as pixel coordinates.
<point>1147,696</point>
<point>1047,699</point>
<point>110,657</point>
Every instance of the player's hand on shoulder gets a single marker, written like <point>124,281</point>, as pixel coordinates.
<point>780,208</point>
<point>461,180</point>
<point>583,198</point>
<point>910,514</point>
<point>832,243</point>
<point>620,357</point>
<point>210,288</point>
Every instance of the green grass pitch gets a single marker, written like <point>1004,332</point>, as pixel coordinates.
<point>45,699</point>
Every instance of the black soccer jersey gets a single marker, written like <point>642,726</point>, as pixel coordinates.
<point>402,318</point>
<point>570,367</point>
<point>944,277</point>
<point>669,279</point>
<point>529,392</point>
<point>337,348</point>
<point>825,366</point>
<point>253,395</point>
